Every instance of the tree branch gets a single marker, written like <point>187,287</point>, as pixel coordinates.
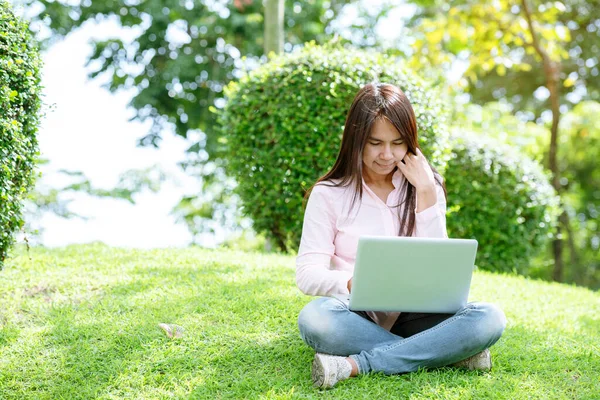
<point>552,73</point>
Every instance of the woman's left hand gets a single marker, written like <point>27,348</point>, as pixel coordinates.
<point>417,170</point>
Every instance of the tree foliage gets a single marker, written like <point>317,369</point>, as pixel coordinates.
<point>578,156</point>
<point>179,55</point>
<point>20,92</point>
<point>493,40</point>
<point>496,120</point>
<point>182,53</point>
<point>550,50</point>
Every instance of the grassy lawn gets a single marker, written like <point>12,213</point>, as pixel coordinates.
<point>81,322</point>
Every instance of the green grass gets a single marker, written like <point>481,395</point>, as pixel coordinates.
<point>81,322</point>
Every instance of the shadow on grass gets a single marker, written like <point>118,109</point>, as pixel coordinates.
<point>97,343</point>
<point>242,341</point>
<point>282,366</point>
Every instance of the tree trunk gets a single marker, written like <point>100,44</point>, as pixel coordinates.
<point>576,274</point>
<point>274,26</point>
<point>551,70</point>
<point>557,248</point>
<point>552,74</point>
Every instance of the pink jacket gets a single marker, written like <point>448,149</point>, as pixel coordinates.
<point>331,230</point>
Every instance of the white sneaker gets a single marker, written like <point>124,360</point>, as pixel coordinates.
<point>328,370</point>
<point>480,361</point>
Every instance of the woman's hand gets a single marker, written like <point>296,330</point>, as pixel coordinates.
<point>418,172</point>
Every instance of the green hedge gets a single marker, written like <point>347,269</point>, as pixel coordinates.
<point>501,198</point>
<point>283,122</point>
<point>20,91</point>
<point>282,127</point>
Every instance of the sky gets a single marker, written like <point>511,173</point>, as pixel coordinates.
<point>88,129</point>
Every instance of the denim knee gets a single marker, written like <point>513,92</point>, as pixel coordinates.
<point>315,320</point>
<point>491,323</point>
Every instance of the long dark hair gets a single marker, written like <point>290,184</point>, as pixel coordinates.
<point>374,101</point>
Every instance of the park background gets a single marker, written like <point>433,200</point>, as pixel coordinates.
<point>516,81</point>
<point>481,74</point>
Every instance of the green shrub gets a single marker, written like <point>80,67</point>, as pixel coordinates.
<point>20,91</point>
<point>501,198</point>
<point>283,123</point>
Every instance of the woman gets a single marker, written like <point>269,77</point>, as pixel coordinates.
<point>380,184</point>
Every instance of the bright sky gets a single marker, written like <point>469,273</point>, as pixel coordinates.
<point>88,129</point>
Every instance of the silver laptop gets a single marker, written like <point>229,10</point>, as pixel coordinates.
<point>412,274</point>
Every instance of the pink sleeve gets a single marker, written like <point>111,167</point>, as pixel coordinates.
<point>431,222</point>
<point>313,273</point>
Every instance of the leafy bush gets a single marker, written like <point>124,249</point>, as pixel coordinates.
<point>283,124</point>
<point>20,92</point>
<point>501,198</point>
<point>282,128</point>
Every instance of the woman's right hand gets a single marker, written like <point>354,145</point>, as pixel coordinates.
<point>350,285</point>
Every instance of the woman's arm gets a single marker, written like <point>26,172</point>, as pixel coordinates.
<point>431,222</point>
<point>313,274</point>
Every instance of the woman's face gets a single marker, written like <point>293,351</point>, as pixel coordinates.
<point>384,149</point>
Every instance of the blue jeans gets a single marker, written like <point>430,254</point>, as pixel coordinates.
<point>416,340</point>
